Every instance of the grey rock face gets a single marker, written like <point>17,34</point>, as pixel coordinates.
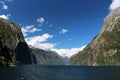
<point>13,48</point>
<point>104,49</point>
<point>47,57</point>
<point>15,51</point>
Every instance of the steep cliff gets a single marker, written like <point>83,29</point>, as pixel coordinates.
<point>105,47</point>
<point>15,51</point>
<point>13,48</point>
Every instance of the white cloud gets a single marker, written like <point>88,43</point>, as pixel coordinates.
<point>68,52</point>
<point>41,41</point>
<point>63,31</point>
<point>45,46</point>
<point>41,20</point>
<point>5,16</point>
<point>5,7</point>
<point>50,25</point>
<point>2,2</point>
<point>9,0</point>
<point>29,29</point>
<point>115,4</point>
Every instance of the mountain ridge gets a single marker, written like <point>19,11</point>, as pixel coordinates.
<point>15,51</point>
<point>104,49</point>
<point>11,40</point>
<point>47,57</point>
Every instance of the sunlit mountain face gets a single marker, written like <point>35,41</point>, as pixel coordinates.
<point>63,26</point>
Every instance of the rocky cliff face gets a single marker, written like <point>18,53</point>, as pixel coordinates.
<point>15,51</point>
<point>46,57</point>
<point>13,48</point>
<point>105,47</point>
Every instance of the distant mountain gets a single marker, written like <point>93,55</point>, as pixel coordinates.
<point>46,57</point>
<point>15,51</point>
<point>105,47</point>
<point>66,59</point>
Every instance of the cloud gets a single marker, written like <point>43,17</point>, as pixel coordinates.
<point>5,7</point>
<point>115,4</point>
<point>50,25</point>
<point>63,31</point>
<point>68,52</point>
<point>45,46</point>
<point>41,20</point>
<point>9,0</point>
<point>41,41</point>
<point>2,2</point>
<point>29,29</point>
<point>5,1</point>
<point>5,16</point>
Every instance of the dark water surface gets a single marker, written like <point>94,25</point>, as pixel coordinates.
<point>50,72</point>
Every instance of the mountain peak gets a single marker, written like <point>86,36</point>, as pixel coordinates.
<point>111,20</point>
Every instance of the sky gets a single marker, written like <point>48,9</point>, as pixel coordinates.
<point>64,26</point>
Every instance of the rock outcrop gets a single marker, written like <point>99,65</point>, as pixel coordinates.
<point>15,51</point>
<point>13,48</point>
<point>105,47</point>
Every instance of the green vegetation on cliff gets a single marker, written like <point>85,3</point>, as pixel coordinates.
<point>104,50</point>
<point>15,51</point>
<point>11,38</point>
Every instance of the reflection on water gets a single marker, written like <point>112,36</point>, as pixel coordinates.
<point>50,72</point>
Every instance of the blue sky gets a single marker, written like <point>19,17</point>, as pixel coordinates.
<point>65,26</point>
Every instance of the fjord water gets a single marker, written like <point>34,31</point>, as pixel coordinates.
<point>59,72</point>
